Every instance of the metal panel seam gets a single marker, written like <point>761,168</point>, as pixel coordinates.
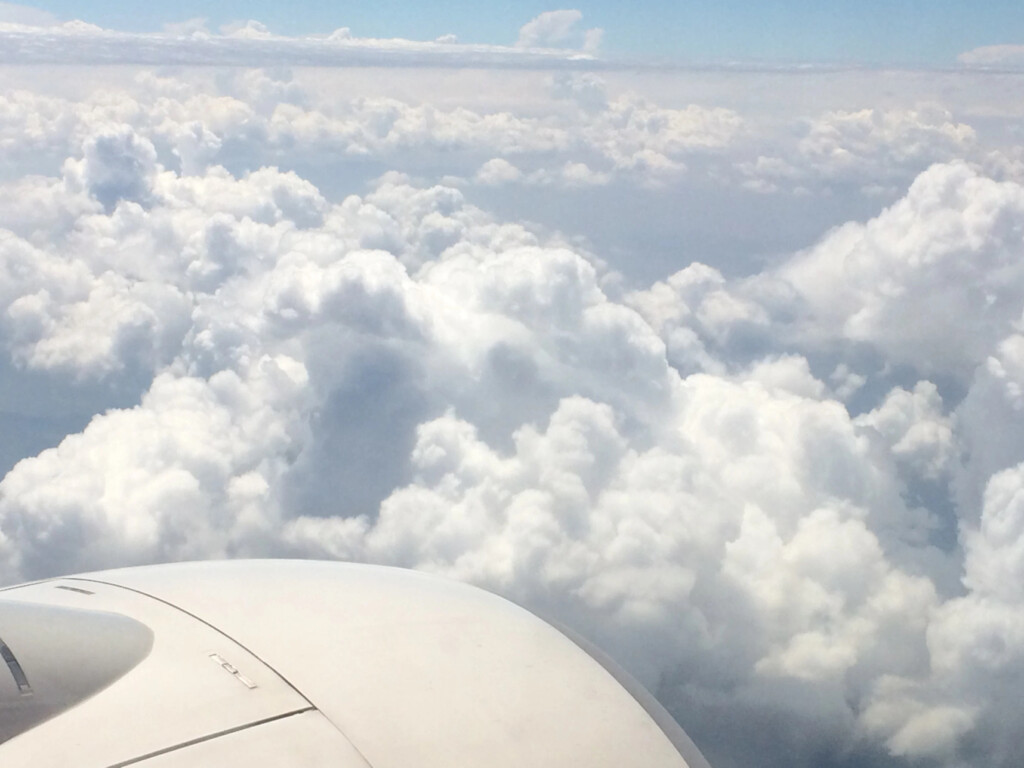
<point>236,642</point>
<point>211,737</point>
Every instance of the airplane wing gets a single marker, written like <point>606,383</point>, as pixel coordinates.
<point>298,664</point>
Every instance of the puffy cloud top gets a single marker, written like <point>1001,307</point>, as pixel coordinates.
<point>994,56</point>
<point>549,29</point>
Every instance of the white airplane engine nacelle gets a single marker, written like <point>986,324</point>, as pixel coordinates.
<point>296,664</point>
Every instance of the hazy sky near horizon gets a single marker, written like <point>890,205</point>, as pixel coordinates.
<point>721,365</point>
<point>869,31</point>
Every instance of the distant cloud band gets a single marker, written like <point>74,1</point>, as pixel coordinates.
<point>78,43</point>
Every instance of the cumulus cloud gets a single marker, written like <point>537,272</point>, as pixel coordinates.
<point>789,493</point>
<point>270,115</point>
<point>553,29</point>
<point>873,148</point>
<point>498,171</point>
<point>617,134</point>
<point>914,428</point>
<point>994,56</point>
<point>934,280</point>
<point>587,90</point>
<point>549,29</point>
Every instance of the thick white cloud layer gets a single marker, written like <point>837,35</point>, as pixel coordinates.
<point>789,497</point>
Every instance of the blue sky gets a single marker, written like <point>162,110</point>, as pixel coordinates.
<point>874,31</point>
